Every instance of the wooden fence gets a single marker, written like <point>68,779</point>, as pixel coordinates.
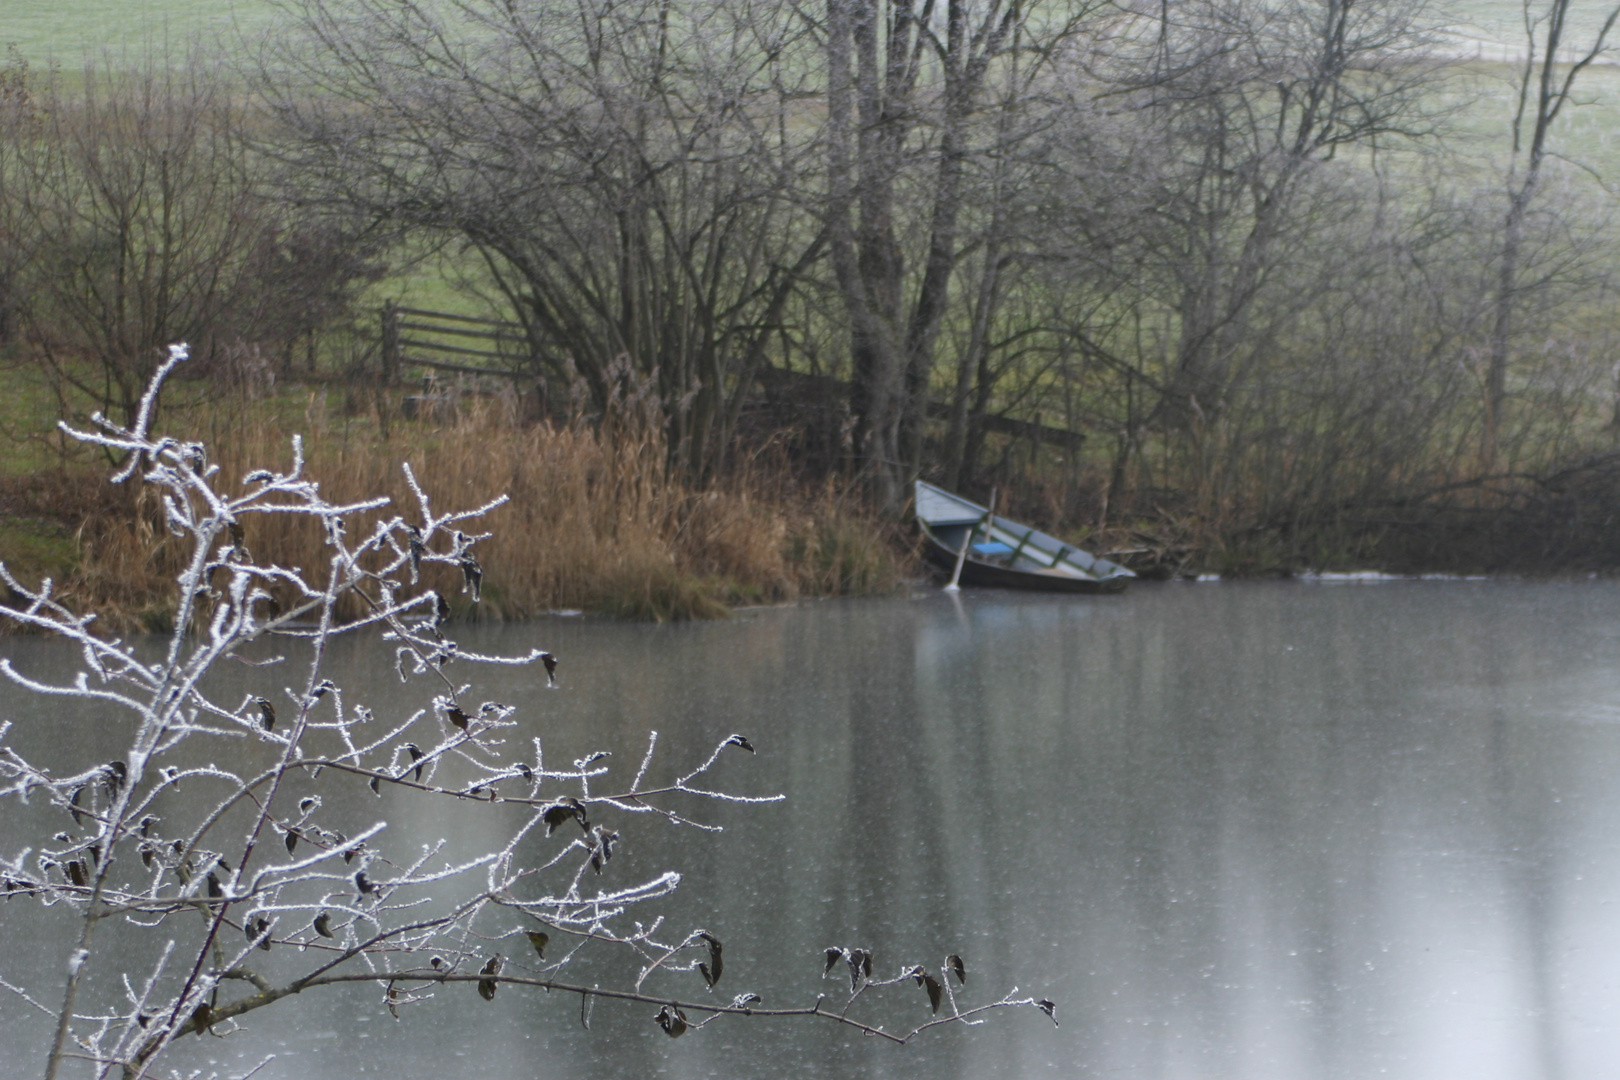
<point>801,393</point>
<point>416,337</point>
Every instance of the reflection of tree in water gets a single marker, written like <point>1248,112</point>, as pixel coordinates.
<point>1142,808</point>
<point>1235,826</point>
<point>1529,841</point>
<point>890,875</point>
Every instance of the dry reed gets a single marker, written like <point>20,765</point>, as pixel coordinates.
<point>595,520</point>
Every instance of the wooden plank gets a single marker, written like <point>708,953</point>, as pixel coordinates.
<point>456,331</point>
<point>459,318</point>
<point>1019,550</point>
<point>942,508</point>
<point>818,387</point>
<point>1005,425</point>
<point>457,349</point>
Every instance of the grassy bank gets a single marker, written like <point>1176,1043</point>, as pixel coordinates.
<point>595,521</point>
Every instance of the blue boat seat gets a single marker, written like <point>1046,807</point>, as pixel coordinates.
<point>991,548</point>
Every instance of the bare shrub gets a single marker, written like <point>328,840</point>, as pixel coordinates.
<point>138,199</point>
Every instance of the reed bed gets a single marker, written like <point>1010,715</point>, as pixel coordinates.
<point>595,518</point>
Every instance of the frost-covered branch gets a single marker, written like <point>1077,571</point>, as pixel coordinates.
<point>197,867</point>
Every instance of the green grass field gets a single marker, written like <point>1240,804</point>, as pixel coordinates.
<point>65,32</point>
<point>44,29</point>
<point>1502,21</point>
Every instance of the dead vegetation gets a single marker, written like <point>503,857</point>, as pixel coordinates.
<point>596,520</point>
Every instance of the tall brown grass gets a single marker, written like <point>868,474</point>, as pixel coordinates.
<point>595,518</point>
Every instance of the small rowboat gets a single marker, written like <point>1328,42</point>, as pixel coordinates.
<point>1004,553</point>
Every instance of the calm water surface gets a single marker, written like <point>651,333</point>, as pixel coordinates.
<point>1265,831</point>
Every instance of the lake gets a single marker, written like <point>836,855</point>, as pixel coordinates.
<point>1260,830</point>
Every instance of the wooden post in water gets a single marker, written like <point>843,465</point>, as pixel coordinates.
<point>961,556</point>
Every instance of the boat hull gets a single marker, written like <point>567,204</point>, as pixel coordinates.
<point>991,575</point>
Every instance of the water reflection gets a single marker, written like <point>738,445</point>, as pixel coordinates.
<point>1267,831</point>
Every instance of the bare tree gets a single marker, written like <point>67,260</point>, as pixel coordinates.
<point>138,189</point>
<point>625,172</point>
<point>270,860</point>
<point>1243,102</point>
<point>1184,196</point>
<point>907,92</point>
<point>1546,81</point>
<point>18,239</point>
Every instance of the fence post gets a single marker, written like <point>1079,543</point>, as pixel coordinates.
<point>390,343</point>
